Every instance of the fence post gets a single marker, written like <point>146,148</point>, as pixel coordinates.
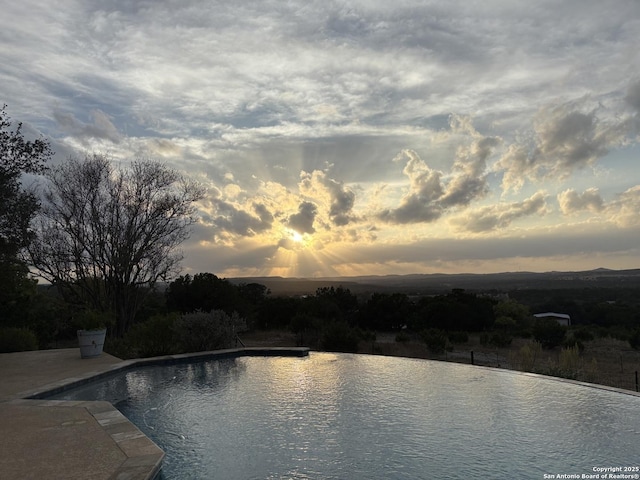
<point>472,358</point>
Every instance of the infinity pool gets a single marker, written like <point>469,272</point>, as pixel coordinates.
<point>341,416</point>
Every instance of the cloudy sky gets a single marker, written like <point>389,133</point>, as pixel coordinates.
<point>355,137</point>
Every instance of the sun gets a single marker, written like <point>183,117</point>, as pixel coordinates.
<point>297,236</point>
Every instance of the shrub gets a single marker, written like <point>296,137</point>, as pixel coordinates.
<point>201,331</point>
<point>435,339</point>
<point>339,337</point>
<point>500,339</point>
<point>402,337</point>
<point>154,337</point>
<point>569,362</point>
<point>634,340</point>
<point>582,334</point>
<point>458,337</point>
<point>525,358</point>
<point>548,332</point>
<point>17,340</point>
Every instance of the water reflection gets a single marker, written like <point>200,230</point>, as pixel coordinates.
<point>352,416</point>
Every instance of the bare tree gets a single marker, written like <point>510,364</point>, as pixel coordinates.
<point>105,235</point>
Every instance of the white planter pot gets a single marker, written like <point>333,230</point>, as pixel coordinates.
<point>91,342</point>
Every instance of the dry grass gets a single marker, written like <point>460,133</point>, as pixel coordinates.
<point>605,361</point>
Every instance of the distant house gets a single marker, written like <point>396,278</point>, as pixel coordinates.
<point>561,318</point>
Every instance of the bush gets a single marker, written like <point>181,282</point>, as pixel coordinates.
<point>500,339</point>
<point>339,337</point>
<point>201,331</point>
<point>548,332</point>
<point>458,337</point>
<point>569,362</point>
<point>435,339</point>
<point>17,340</point>
<point>582,334</point>
<point>402,337</point>
<point>525,358</point>
<point>154,337</point>
<point>634,340</point>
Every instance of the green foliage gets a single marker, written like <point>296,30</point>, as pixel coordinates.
<point>525,358</point>
<point>569,361</point>
<point>339,337</point>
<point>402,337</point>
<point>17,340</point>
<point>634,340</point>
<point>435,339</point>
<point>204,331</point>
<point>386,312</point>
<point>303,325</point>
<point>458,337</point>
<point>154,337</point>
<point>582,334</point>
<point>92,320</point>
<point>18,206</point>
<point>548,332</point>
<point>500,339</point>
<point>202,292</point>
<point>456,311</point>
<point>512,316</point>
<point>341,296</point>
<point>276,312</point>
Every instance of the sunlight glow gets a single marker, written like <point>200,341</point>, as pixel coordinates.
<point>297,237</point>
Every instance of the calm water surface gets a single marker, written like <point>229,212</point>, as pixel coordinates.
<point>340,416</point>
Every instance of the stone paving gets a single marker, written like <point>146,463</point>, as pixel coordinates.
<point>66,440</point>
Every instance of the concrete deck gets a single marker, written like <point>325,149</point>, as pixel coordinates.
<point>66,440</point>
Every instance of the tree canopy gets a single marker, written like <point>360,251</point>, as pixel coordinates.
<point>106,234</point>
<point>18,206</point>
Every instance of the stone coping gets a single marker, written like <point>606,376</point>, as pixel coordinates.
<point>141,457</point>
<point>70,383</point>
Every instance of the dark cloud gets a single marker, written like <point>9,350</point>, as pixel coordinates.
<point>302,222</point>
<point>100,126</point>
<point>421,203</point>
<point>239,222</point>
<point>431,193</point>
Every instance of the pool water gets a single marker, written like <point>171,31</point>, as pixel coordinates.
<point>342,416</point>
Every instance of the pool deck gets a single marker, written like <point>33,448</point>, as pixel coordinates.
<point>52,439</point>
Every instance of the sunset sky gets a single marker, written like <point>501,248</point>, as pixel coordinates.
<point>355,138</point>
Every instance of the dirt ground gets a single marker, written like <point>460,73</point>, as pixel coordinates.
<point>604,361</point>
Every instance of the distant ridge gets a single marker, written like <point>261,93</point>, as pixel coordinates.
<point>441,282</point>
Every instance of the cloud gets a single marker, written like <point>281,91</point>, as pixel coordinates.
<point>231,219</point>
<point>566,138</point>
<point>302,222</point>
<point>501,215</point>
<point>425,189</point>
<point>432,192</point>
<point>623,211</point>
<point>492,99</point>
<point>100,127</point>
<point>340,198</point>
<point>633,96</point>
<point>571,201</point>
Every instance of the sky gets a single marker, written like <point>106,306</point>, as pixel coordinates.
<point>342,138</point>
